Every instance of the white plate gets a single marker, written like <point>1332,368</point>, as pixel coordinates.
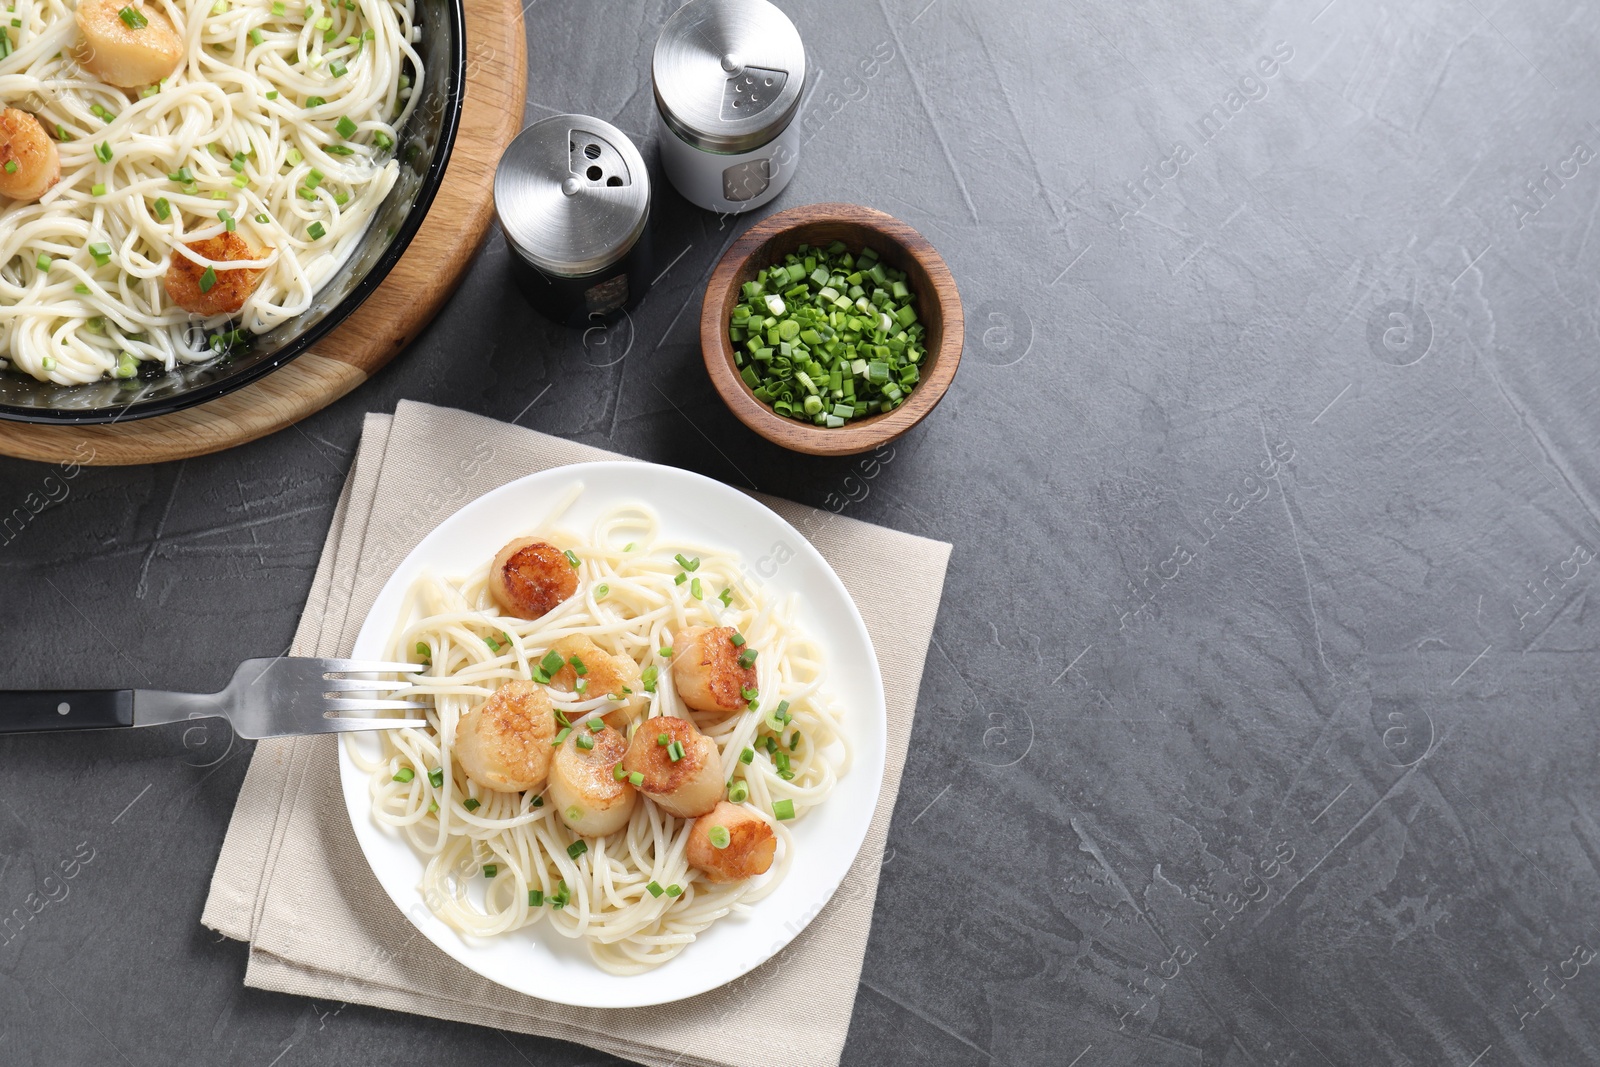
<point>544,964</point>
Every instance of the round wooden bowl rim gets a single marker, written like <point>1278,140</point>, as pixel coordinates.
<point>863,434</point>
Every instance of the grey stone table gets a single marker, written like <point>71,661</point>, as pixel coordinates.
<point>1260,722</point>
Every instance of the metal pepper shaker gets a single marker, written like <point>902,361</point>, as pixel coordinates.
<point>728,78</point>
<point>573,198</point>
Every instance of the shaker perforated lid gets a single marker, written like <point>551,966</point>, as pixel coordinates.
<point>728,73</point>
<point>572,194</point>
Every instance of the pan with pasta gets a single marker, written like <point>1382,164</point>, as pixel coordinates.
<point>178,176</point>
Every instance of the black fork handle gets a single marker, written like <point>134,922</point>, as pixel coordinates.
<point>25,711</point>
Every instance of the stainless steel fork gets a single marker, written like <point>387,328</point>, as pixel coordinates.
<point>267,698</point>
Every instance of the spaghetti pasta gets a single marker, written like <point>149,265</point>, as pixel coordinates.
<point>278,124</point>
<point>630,896</point>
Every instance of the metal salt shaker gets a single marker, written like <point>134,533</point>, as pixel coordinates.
<point>728,78</point>
<point>573,198</point>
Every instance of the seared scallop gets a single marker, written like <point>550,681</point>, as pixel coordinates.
<point>583,784</point>
<point>504,743</point>
<point>707,669</point>
<point>730,844</point>
<point>687,786</point>
<point>604,675</point>
<point>127,50</point>
<point>29,162</point>
<point>209,290</point>
<point>530,576</point>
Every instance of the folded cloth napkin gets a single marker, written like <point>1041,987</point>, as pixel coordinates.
<point>292,881</point>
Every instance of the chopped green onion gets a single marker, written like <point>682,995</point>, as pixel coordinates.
<point>747,658</point>
<point>220,7</point>
<point>347,130</point>
<point>572,558</point>
<point>43,262</point>
<point>674,890</point>
<point>436,777</point>
<point>133,19</point>
<point>293,156</point>
<point>663,738</point>
<point>830,336</point>
<point>11,166</point>
<point>535,898</point>
<point>688,564</point>
<point>404,774</point>
<point>313,178</point>
<point>472,804</point>
<point>726,596</point>
<point>654,889</point>
<point>739,791</point>
<point>323,23</point>
<point>694,589</point>
<point>562,895</point>
<point>337,68</point>
<point>648,678</point>
<point>747,756</point>
<point>619,773</point>
<point>272,94</point>
<point>81,288</point>
<point>163,209</point>
<point>601,590</point>
<point>490,870</point>
<point>315,231</point>
<point>382,140</point>
<point>577,666</point>
<point>228,221</point>
<point>433,807</point>
<point>97,189</point>
<point>675,751</point>
<point>102,151</point>
<point>719,837</point>
<point>597,725</point>
<point>585,742</point>
<point>552,662</point>
<point>311,102</point>
<point>783,809</point>
<point>101,253</point>
<point>636,778</point>
<point>577,848</point>
<point>255,36</point>
<point>494,646</point>
<point>240,181</point>
<point>666,652</point>
<point>566,731</point>
<point>737,639</point>
<point>263,218</point>
<point>127,365</point>
<point>423,650</point>
<point>680,579</point>
<point>279,9</point>
<point>208,278</point>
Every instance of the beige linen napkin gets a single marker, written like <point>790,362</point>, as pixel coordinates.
<point>292,880</point>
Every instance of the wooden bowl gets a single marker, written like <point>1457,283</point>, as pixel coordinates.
<point>767,242</point>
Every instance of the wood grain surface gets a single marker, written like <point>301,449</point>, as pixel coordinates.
<point>414,291</point>
<point>767,242</point>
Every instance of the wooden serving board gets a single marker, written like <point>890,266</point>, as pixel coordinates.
<point>414,291</point>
